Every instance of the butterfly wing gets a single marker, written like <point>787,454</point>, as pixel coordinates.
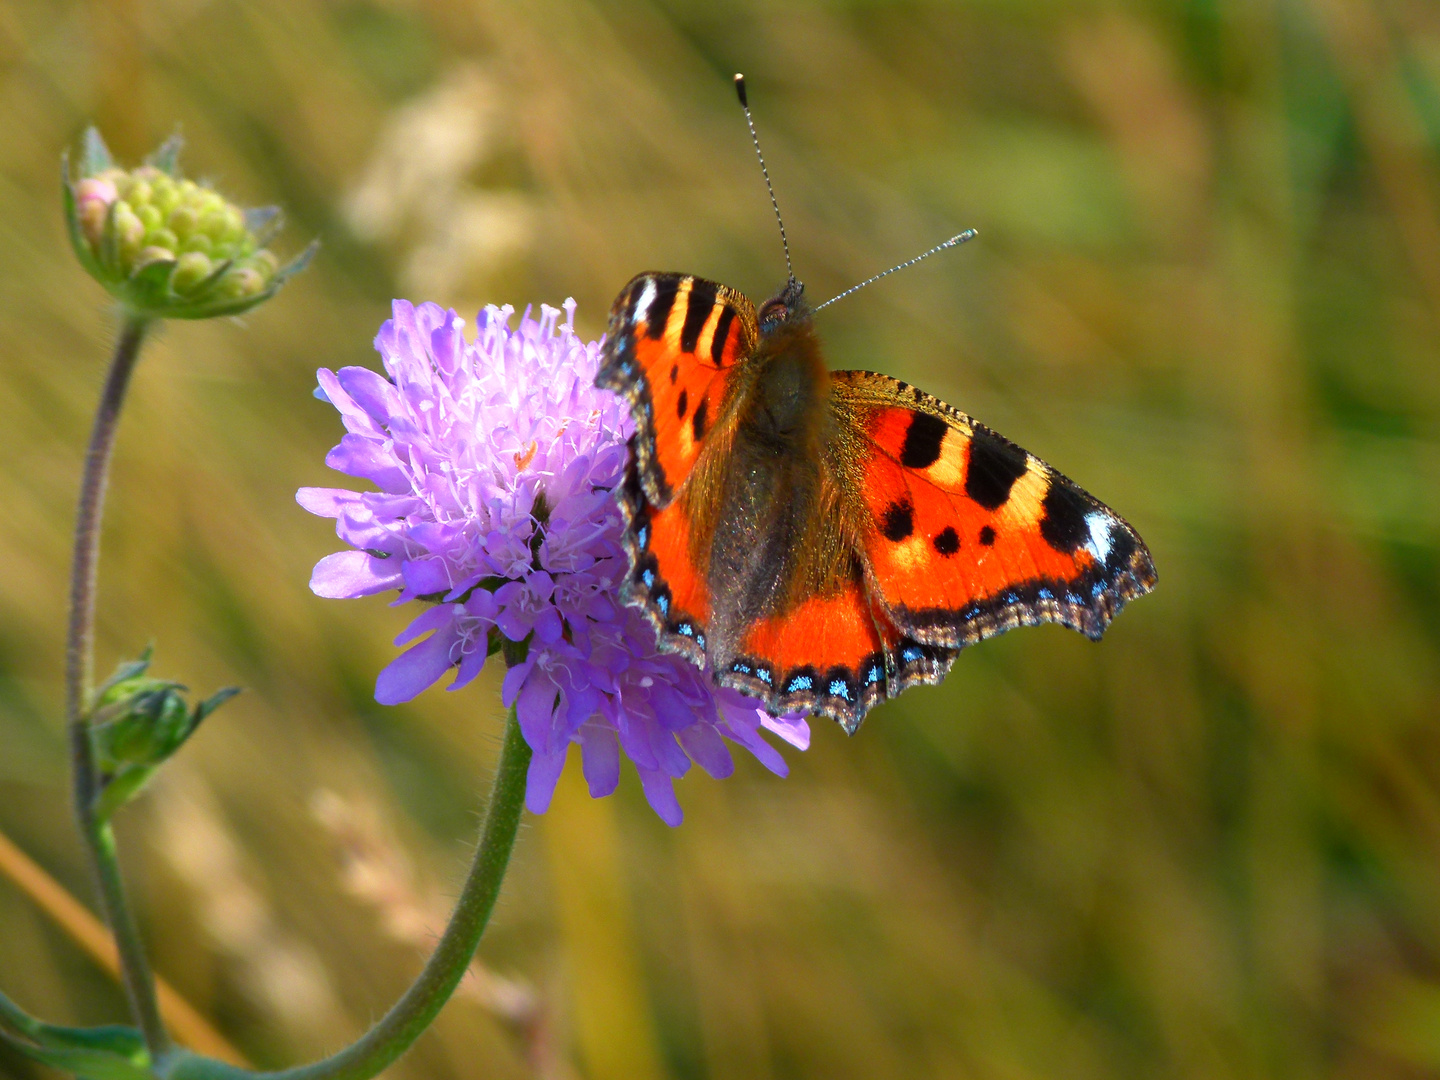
<point>967,534</point>
<point>835,655</point>
<point>672,348</point>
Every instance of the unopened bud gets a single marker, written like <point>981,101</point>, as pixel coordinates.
<point>123,223</point>
<point>242,281</point>
<point>137,724</point>
<point>192,268</point>
<point>129,231</point>
<point>153,253</point>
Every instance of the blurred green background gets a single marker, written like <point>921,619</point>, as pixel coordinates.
<point>1207,286</point>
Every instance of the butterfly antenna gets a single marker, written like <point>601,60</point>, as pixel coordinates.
<point>954,241</point>
<point>745,104</point>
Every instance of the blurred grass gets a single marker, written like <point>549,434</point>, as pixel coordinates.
<point>1207,286</point>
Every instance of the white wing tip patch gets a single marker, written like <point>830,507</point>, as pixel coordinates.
<point>642,306</point>
<point>1099,525</point>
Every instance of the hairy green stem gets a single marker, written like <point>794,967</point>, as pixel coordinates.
<point>413,1013</point>
<point>79,672</point>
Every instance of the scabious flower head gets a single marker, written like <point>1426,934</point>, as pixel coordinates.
<point>165,246</point>
<point>496,459</point>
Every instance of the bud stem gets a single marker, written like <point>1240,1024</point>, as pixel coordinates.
<point>413,1013</point>
<point>79,673</point>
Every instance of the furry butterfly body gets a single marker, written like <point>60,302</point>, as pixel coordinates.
<point>823,540</point>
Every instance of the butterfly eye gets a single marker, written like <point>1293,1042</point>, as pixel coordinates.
<point>773,312</point>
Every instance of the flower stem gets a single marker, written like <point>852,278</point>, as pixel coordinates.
<point>79,670</point>
<point>413,1013</point>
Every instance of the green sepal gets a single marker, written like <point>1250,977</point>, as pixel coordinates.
<point>210,704</point>
<point>72,223</point>
<point>109,249</point>
<point>147,290</point>
<point>263,222</point>
<point>127,669</point>
<point>167,156</point>
<point>239,305</point>
<point>95,157</point>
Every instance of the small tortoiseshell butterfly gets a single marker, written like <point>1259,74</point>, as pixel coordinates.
<point>825,539</point>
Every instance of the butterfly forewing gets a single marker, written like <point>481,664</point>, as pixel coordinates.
<point>671,343</point>
<point>968,534</point>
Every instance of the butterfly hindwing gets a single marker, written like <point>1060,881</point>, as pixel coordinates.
<point>671,346</point>
<point>662,579</point>
<point>968,535</point>
<point>836,655</point>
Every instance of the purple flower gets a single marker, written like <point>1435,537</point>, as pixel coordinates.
<point>495,460</point>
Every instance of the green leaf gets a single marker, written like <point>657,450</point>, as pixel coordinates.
<point>123,787</point>
<point>110,1053</point>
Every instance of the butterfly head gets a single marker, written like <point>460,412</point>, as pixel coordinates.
<point>788,306</point>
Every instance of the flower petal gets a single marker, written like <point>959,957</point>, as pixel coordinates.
<point>541,778</point>
<point>348,574</point>
<point>660,794</point>
<point>600,759</point>
<point>707,750</point>
<point>415,670</point>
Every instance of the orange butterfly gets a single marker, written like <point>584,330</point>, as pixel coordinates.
<point>824,540</point>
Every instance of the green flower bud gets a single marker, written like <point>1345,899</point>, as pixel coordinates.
<point>184,220</point>
<point>148,727</point>
<point>129,231</point>
<point>242,281</point>
<point>138,722</point>
<point>192,268</point>
<point>163,195</point>
<point>264,263</point>
<point>160,243</point>
<point>153,253</point>
<point>216,226</point>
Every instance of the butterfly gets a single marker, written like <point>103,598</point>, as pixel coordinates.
<point>822,540</point>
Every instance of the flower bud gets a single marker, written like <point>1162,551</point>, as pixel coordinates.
<point>156,240</point>
<point>148,725</point>
<point>138,722</point>
<point>129,231</point>
<point>164,238</point>
<point>153,253</point>
<point>192,268</point>
<point>242,281</point>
